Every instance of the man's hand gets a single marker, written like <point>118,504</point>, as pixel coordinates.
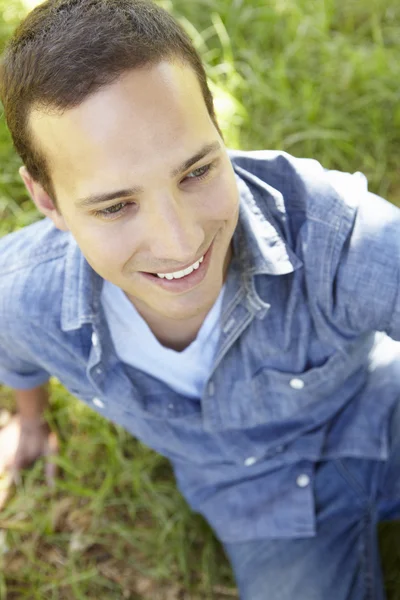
<point>22,442</point>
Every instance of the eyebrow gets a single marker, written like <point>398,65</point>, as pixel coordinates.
<point>120,194</point>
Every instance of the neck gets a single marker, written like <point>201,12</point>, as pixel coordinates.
<point>172,333</point>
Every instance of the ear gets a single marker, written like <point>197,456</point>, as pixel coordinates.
<point>42,200</point>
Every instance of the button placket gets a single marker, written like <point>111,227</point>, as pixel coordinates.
<point>229,326</point>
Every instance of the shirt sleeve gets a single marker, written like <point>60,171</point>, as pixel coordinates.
<point>17,369</point>
<point>364,279</point>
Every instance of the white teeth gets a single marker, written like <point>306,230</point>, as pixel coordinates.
<point>180,274</point>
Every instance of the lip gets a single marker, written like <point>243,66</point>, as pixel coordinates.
<point>184,283</point>
<point>181,269</point>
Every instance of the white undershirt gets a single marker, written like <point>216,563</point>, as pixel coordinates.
<point>185,372</point>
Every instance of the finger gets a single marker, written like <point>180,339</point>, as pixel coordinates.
<point>5,417</point>
<point>15,475</point>
<point>50,473</point>
<point>9,439</point>
<point>5,488</point>
<point>52,449</point>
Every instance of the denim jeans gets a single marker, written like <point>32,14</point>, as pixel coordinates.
<point>342,562</point>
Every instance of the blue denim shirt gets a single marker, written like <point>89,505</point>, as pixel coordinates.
<point>303,371</point>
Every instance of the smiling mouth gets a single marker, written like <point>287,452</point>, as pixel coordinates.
<point>181,281</point>
<point>178,274</point>
<point>181,273</point>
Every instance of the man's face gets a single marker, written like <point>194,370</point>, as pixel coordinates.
<point>137,134</point>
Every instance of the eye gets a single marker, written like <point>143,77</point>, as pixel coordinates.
<point>116,209</point>
<point>200,173</point>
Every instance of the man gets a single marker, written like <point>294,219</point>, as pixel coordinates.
<point>222,306</point>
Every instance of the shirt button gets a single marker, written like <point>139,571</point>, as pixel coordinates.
<point>99,370</point>
<point>95,339</point>
<point>250,461</point>
<point>97,402</point>
<point>171,406</point>
<point>297,384</point>
<point>303,480</point>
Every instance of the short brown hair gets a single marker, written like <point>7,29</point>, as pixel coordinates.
<point>65,50</point>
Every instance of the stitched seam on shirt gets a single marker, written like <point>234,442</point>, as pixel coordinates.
<point>395,304</point>
<point>31,263</point>
<point>229,307</point>
<point>355,485</point>
<point>366,539</point>
<point>367,555</point>
<point>329,280</point>
<point>335,225</point>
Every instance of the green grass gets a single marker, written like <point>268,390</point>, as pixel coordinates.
<point>115,526</point>
<point>317,78</point>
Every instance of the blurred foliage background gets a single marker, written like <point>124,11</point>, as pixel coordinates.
<point>316,78</point>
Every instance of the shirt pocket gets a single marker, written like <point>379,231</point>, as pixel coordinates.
<point>275,396</point>
<point>283,394</point>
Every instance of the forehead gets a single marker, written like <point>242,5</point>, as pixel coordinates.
<point>147,116</point>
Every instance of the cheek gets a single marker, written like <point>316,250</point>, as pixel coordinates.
<point>222,201</point>
<point>105,246</point>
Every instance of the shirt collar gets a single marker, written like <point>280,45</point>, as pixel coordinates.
<point>259,249</point>
<point>257,243</point>
<point>82,289</point>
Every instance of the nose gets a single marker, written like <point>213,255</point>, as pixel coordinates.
<point>174,234</point>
